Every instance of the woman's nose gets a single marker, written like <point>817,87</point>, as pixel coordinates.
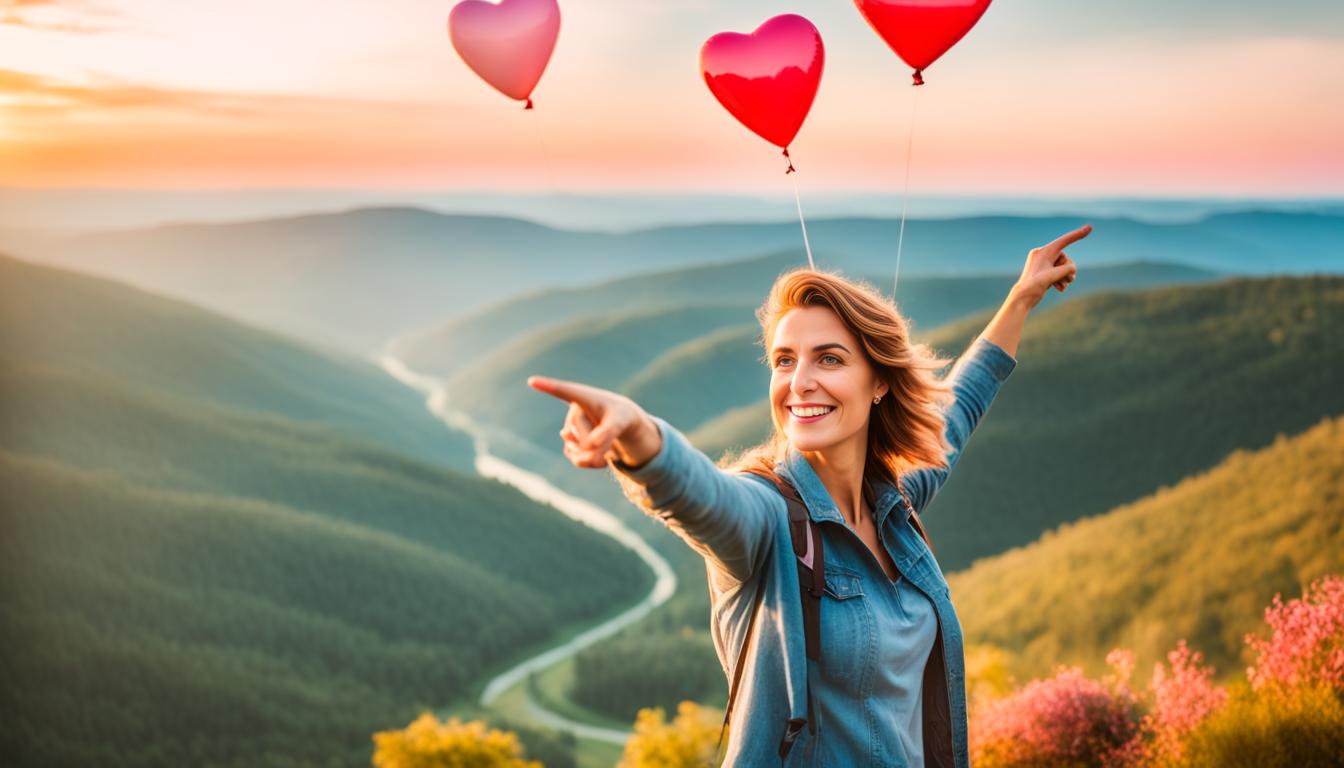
<point>803,381</point>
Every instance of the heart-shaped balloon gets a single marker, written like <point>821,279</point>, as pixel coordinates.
<point>920,31</point>
<point>766,79</point>
<point>508,44</point>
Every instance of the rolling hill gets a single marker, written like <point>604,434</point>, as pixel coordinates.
<point>352,279</point>
<point>53,319</point>
<point>447,349</point>
<point>1198,560</point>
<point>207,561</point>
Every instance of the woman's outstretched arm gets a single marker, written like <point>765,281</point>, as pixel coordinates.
<point>728,518</point>
<point>982,369</point>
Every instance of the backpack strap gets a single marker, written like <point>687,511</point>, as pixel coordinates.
<point>805,535</point>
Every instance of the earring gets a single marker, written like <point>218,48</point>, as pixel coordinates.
<point>877,400</point>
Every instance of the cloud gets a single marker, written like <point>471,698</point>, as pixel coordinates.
<point>29,92</point>
<point>70,16</point>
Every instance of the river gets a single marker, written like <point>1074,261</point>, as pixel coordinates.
<point>538,489</point>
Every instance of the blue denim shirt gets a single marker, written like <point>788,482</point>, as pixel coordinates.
<point>739,524</point>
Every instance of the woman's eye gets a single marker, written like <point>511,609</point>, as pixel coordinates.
<point>830,360</point>
<point>781,361</point>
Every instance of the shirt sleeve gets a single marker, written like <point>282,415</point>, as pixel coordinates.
<point>729,518</point>
<point>977,377</point>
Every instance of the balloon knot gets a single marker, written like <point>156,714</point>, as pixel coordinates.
<point>529,104</point>
<point>919,77</point>
<point>786,157</point>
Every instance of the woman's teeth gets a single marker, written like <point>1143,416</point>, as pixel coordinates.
<point>808,412</point>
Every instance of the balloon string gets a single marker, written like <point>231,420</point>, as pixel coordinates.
<point>799,201</point>
<point>905,197</point>
<point>545,153</point>
<point>790,160</point>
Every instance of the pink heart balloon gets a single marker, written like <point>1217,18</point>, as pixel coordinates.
<point>920,31</point>
<point>508,44</point>
<point>766,79</point>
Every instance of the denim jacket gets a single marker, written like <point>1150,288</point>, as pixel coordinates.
<point>739,523</point>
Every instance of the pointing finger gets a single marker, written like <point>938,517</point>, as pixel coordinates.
<point>569,391</point>
<point>1065,240</point>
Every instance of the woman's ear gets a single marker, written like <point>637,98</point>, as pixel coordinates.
<point>882,389</point>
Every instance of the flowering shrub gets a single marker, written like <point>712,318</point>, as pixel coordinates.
<point>1066,720</point>
<point>1306,642</point>
<point>690,740</point>
<point>1182,699</point>
<point>1290,715</point>
<point>428,743</point>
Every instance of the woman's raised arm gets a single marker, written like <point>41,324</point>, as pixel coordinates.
<point>728,518</point>
<point>978,374</point>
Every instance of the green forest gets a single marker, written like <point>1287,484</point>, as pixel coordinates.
<point>191,578</point>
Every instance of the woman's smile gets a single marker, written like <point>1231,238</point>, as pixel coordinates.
<point>806,413</point>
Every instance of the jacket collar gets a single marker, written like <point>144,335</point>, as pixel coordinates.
<point>883,496</point>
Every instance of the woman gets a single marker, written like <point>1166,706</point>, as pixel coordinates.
<point>866,435</point>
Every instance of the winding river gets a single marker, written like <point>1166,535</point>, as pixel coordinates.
<point>538,489</point>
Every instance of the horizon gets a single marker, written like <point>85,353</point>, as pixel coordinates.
<point>74,210</point>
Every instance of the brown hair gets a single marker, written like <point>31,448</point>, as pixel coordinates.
<point>905,430</point>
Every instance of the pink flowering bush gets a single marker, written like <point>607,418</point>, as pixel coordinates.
<point>1306,642</point>
<point>1066,720</point>
<point>1290,715</point>
<point>1181,700</point>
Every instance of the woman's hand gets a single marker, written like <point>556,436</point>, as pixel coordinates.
<point>602,425</point>
<point>1049,266</point>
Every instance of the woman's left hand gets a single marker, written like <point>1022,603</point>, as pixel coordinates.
<point>1049,266</point>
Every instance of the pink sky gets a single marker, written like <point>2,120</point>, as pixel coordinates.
<point>1037,99</point>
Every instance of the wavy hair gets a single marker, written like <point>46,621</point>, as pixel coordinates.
<point>905,430</point>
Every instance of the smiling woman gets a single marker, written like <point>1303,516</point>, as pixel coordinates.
<point>864,436</point>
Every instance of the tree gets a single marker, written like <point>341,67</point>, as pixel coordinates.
<point>689,741</point>
<point>427,743</point>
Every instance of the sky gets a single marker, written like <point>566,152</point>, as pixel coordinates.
<point>1042,97</point>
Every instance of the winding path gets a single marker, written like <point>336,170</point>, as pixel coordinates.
<point>538,489</point>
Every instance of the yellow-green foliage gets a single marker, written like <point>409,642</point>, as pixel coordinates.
<point>988,672</point>
<point>1303,728</point>
<point>1197,561</point>
<point>689,741</point>
<point>427,743</point>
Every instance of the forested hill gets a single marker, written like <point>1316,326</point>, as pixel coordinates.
<point>1118,394</point>
<point>205,562</point>
<point>82,325</point>
<point>1197,561</point>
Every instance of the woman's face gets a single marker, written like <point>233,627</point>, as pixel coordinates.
<point>821,383</point>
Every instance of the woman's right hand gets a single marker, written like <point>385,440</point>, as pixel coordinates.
<point>602,425</point>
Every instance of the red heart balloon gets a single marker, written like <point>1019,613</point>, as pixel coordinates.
<point>920,31</point>
<point>766,79</point>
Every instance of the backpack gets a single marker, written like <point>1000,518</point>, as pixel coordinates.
<point>805,533</point>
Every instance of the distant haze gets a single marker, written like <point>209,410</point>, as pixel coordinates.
<point>82,209</point>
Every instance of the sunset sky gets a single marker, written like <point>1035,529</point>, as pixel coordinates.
<point>1041,97</point>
